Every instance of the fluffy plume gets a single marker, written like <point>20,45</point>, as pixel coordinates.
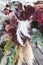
<point>23,28</point>
<point>28,53</point>
<point>20,57</point>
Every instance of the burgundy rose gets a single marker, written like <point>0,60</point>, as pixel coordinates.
<point>39,15</point>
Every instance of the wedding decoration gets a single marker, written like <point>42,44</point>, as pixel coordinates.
<point>20,23</point>
<point>15,40</point>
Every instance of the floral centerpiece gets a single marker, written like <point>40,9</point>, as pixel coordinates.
<point>16,33</point>
<point>17,30</point>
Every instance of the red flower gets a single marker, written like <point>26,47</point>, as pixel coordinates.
<point>7,5</point>
<point>39,15</point>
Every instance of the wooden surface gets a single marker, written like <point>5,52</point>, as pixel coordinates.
<point>38,55</point>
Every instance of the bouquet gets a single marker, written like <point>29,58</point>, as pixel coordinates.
<point>16,34</point>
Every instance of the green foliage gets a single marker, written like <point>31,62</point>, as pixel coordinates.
<point>14,49</point>
<point>12,58</point>
<point>8,45</point>
<point>36,36</point>
<point>41,44</point>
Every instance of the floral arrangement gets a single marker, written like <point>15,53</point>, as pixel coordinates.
<point>16,32</point>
